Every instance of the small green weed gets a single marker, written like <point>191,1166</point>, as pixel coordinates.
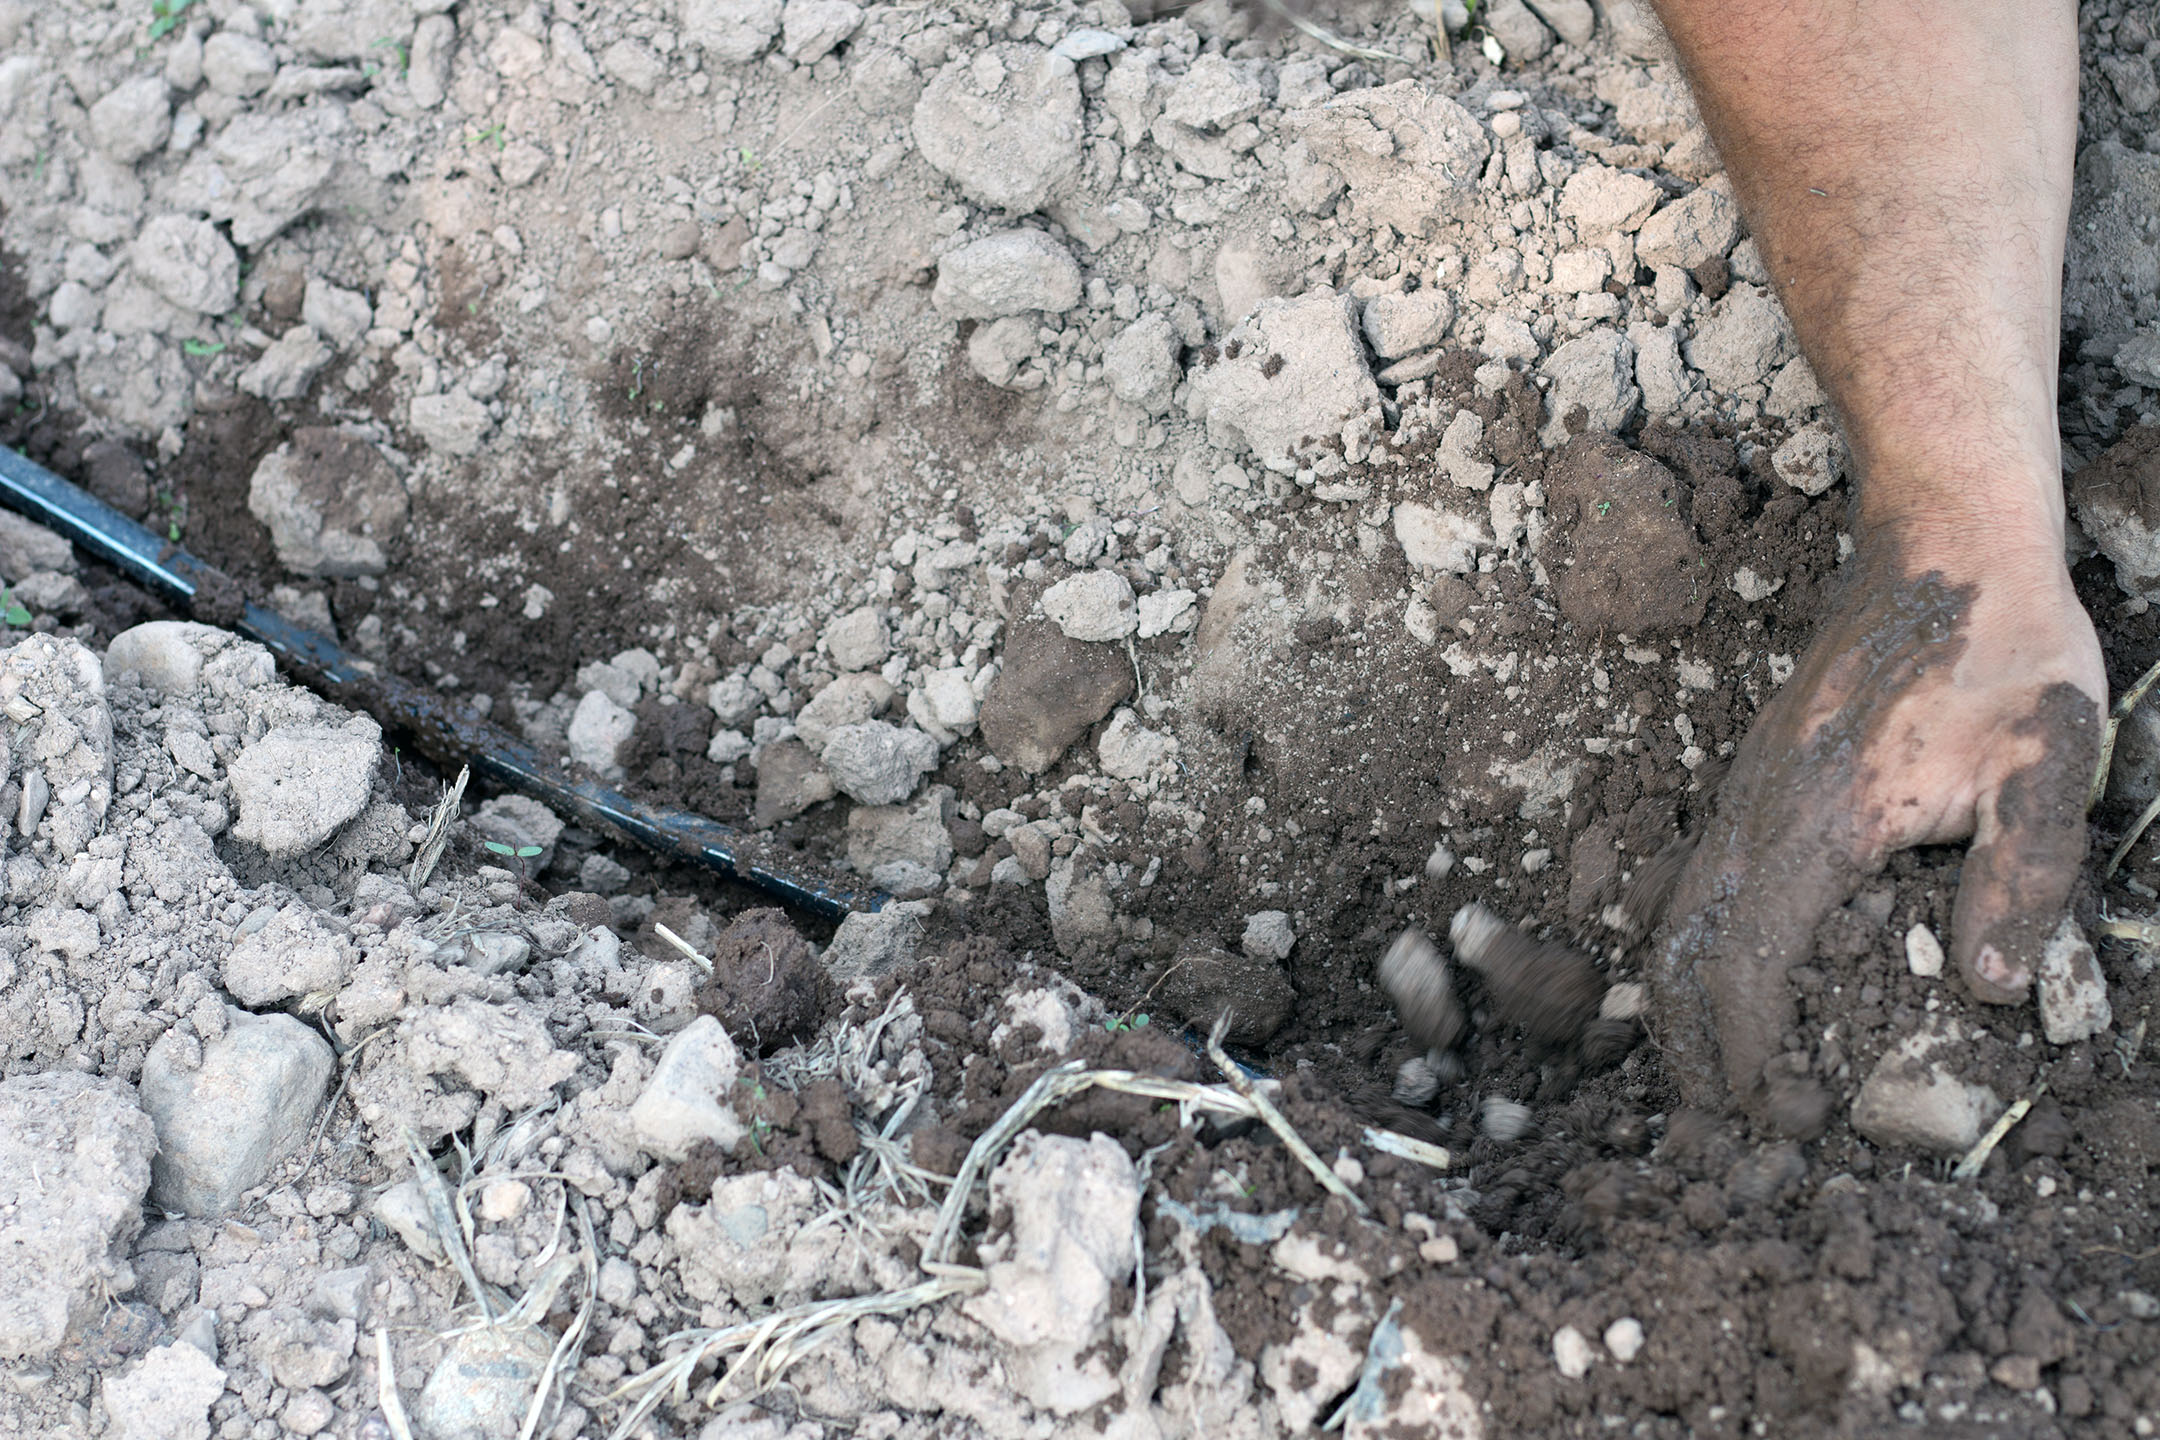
<point>1124,1023</point>
<point>519,853</point>
<point>203,347</point>
<point>165,16</point>
<point>12,610</point>
<point>493,133</point>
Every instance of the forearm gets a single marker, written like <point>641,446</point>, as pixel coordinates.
<point>1906,171</point>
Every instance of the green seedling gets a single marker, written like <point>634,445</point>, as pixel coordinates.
<point>12,610</point>
<point>165,16</point>
<point>519,853</point>
<point>492,133</point>
<point>1125,1023</point>
<point>203,347</point>
<point>1604,507</point>
<point>637,377</point>
<point>397,52</point>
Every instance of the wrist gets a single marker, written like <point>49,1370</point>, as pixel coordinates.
<point>1997,526</point>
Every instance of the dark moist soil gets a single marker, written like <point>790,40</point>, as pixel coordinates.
<point>1754,1265</point>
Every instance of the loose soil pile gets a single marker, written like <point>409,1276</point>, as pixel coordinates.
<point>1174,502</point>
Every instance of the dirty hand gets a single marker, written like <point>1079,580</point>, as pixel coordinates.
<point>1955,691</point>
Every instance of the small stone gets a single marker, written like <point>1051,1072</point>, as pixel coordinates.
<point>238,65</point>
<point>167,1396</point>
<point>1141,363</point>
<point>1438,539</point>
<point>849,700</point>
<point>733,31</point>
<point>857,640</point>
<point>522,823</point>
<point>1573,20</point>
<point>163,654</point>
<point>945,705</point>
<point>1129,750</point>
<point>1009,273</point>
<point>189,262</point>
<point>452,422</point>
<point>331,501</point>
<point>1923,952</point>
<point>789,781</point>
<point>132,119</point>
<point>599,732</point>
<point>1215,94</point>
<point>811,28</point>
<point>75,1157</point>
<point>1913,1098</point>
<point>1742,340</point>
<point>681,1104</point>
<point>1287,377</point>
<point>1165,611</point>
<point>1602,200</point>
<point>632,63</point>
<point>1811,459</point>
<point>223,1123</point>
<point>339,315</point>
<point>2073,993</point>
<point>1688,232</point>
<point>873,943</point>
<point>1397,325</point>
<point>288,957</point>
<point>299,784</point>
<point>1571,1352</point>
<point>1269,935</point>
<point>2016,1372</point>
<point>878,764</point>
<point>1095,605</point>
<point>26,548</point>
<point>1624,1338</point>
<point>1410,156</point>
<point>1593,373</point>
<point>482,1386</point>
<point>1004,124</point>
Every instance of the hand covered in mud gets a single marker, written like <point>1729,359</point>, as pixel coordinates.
<point>1946,698</point>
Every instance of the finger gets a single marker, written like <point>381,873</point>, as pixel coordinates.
<point>2028,841</point>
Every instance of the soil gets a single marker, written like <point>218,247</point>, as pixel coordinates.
<point>699,463</point>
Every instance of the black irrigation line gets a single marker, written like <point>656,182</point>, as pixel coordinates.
<point>448,738</point>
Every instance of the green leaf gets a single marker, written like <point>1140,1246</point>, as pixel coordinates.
<point>499,848</point>
<point>203,347</point>
<point>15,614</point>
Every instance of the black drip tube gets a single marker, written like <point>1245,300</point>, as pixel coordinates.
<point>446,737</point>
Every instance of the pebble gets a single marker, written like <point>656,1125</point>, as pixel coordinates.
<point>1923,952</point>
<point>1163,612</point>
<point>1290,373</point>
<point>299,784</point>
<point>1010,273</point>
<point>1504,1120</point>
<point>875,763</point>
<point>1095,605</point>
<point>164,655</point>
<point>223,1123</point>
<point>132,119</point>
<point>858,639</point>
<point>681,1104</point>
<point>600,730</point>
<point>2073,993</point>
<point>873,943</point>
<point>75,1157</point>
<point>1571,1352</point>
<point>1141,363</point>
<point>189,262</point>
<point>1624,1338</point>
<point>1004,124</point>
<point>1269,935</point>
<point>1129,750</point>
<point>165,1397</point>
<point>452,422</point>
<point>1913,1098</point>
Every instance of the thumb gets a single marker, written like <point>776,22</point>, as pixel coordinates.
<point>2028,841</point>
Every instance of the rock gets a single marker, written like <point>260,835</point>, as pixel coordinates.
<point>2138,359</point>
<point>682,1103</point>
<point>520,822</point>
<point>166,1397</point>
<point>1742,340</point>
<point>189,262</point>
<point>2073,993</point>
<point>1923,952</point>
<point>1571,1353</point>
<point>237,65</point>
<point>1164,611</point>
<point>1008,273</point>
<point>223,1123</point>
<point>734,31</point>
<point>286,956</point>
<point>811,28</point>
<point>299,784</point>
<point>427,66</point>
<point>1913,1098</point>
<point>1141,363</point>
<point>1811,459</point>
<point>633,64</point>
<point>599,733</point>
<point>789,781</point>
<point>164,654</point>
<point>452,422</point>
<point>340,316</point>
<point>878,764</point>
<point>1628,560</point>
<point>331,501</point>
<point>2112,498</point>
<point>132,119</point>
<point>1004,124</point>
<point>1602,200</point>
<point>1411,157</point>
<point>849,700</point>
<point>349,29</point>
<point>483,1385</point>
<point>1051,689</point>
<point>74,306</point>
<point>1573,20</point>
<point>1596,373</point>
<point>1083,922</point>
<point>1398,325</point>
<point>75,1156</point>
<point>1215,93</point>
<point>26,548</point>
<point>873,943</point>
<point>1520,33</point>
<point>1658,367</point>
<point>857,640</point>
<point>1001,350</point>
<point>1624,1338</point>
<point>1072,1204</point>
<point>1205,980</point>
<point>1438,539</point>
<point>1094,605</point>
<point>1268,935</point>
<point>733,699</point>
<point>945,705</point>
<point>878,835</point>
<point>1129,750</point>
<point>1286,380</point>
<point>1688,232</point>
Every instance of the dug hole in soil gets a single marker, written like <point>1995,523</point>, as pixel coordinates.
<point>1177,503</point>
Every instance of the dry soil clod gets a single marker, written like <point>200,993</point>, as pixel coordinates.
<point>1550,990</point>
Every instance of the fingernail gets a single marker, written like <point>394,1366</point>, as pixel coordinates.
<point>1994,967</point>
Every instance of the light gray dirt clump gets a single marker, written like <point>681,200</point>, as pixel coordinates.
<point>299,784</point>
